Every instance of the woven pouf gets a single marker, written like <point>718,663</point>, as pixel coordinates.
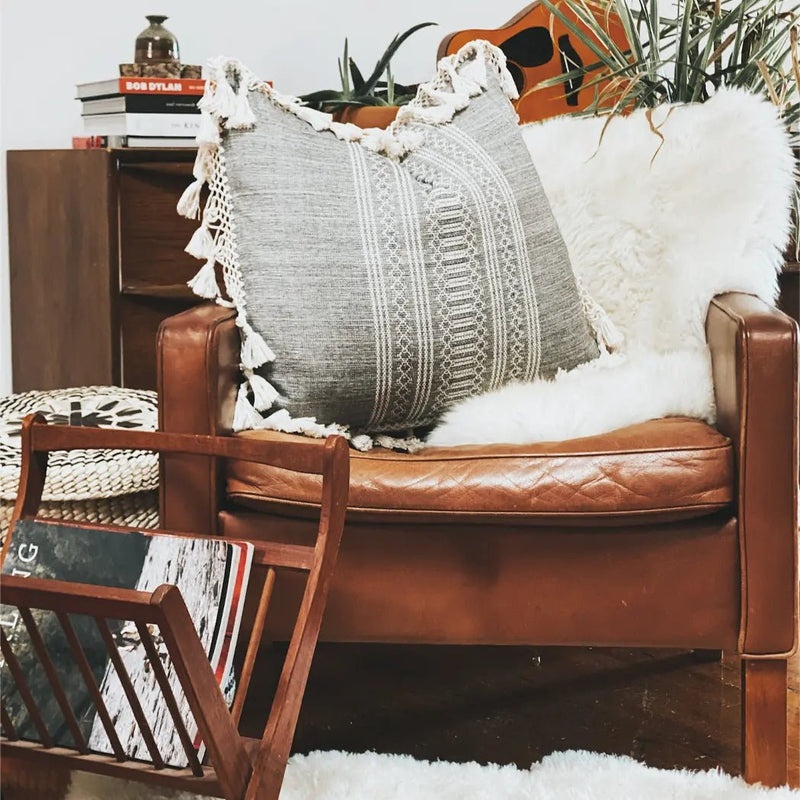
<point>115,487</point>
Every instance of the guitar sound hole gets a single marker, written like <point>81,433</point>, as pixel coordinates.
<point>532,47</point>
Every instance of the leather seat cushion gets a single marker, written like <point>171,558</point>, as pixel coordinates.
<point>664,469</point>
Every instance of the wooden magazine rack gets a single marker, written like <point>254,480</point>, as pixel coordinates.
<point>235,767</point>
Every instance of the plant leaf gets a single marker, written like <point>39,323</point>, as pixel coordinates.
<point>383,61</point>
<point>580,33</point>
<point>324,94</point>
<point>358,78</point>
<point>762,68</point>
<point>343,71</point>
<point>683,55</point>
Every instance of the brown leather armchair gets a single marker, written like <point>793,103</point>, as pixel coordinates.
<point>665,534</point>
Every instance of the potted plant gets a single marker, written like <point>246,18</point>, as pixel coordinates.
<point>370,102</point>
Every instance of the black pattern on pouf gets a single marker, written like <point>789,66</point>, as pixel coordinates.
<point>104,486</point>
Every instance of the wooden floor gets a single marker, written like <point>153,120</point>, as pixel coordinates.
<point>508,704</point>
<point>496,704</point>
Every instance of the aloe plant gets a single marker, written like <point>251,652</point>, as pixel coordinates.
<point>373,90</point>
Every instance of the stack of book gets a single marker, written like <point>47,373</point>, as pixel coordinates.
<point>139,112</point>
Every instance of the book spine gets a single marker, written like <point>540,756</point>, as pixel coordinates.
<point>161,86</point>
<point>103,142</point>
<point>143,104</point>
<point>161,104</point>
<point>163,125</point>
<point>89,142</point>
<point>183,125</point>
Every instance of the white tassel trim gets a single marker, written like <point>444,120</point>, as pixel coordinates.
<point>204,283</point>
<point>255,351</point>
<point>245,417</point>
<point>467,78</point>
<point>243,116</point>
<point>319,120</point>
<point>201,245</point>
<point>201,169</point>
<point>409,444</point>
<point>265,395</point>
<point>189,204</point>
<point>431,115</point>
<point>219,98</point>
<point>209,131</point>
<point>308,426</point>
<point>608,336</point>
<point>459,77</point>
<point>608,333</point>
<point>346,131</point>
<point>362,442</point>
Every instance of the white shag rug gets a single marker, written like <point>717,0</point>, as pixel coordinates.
<point>658,218</point>
<point>573,775</point>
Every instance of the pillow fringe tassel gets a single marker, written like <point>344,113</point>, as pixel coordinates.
<point>189,204</point>
<point>410,443</point>
<point>204,284</point>
<point>607,335</point>
<point>245,417</point>
<point>201,245</point>
<point>265,395</point>
<point>281,420</point>
<point>209,130</point>
<point>243,116</point>
<point>219,99</point>
<point>255,351</point>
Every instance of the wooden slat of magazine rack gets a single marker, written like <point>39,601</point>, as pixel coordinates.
<point>130,692</point>
<point>54,680</point>
<point>24,690</point>
<point>236,768</point>
<point>90,683</point>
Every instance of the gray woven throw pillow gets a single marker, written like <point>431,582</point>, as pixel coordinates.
<point>392,272</point>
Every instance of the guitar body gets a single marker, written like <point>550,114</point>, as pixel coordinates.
<point>538,46</point>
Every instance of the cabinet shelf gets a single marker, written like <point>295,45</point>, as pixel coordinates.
<point>167,291</point>
<point>97,263</point>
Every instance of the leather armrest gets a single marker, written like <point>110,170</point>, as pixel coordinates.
<point>198,358</point>
<point>754,353</point>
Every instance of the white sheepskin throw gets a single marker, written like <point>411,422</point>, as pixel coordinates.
<point>572,775</point>
<point>657,219</point>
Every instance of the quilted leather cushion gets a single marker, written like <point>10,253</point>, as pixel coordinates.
<point>659,470</point>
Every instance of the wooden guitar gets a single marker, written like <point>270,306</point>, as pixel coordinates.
<point>539,46</point>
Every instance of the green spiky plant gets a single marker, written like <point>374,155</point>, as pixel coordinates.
<point>374,90</point>
<point>708,44</point>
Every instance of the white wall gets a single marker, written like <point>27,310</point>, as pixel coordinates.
<point>5,309</point>
<point>47,46</point>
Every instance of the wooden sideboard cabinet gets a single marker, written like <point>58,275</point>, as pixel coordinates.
<point>96,262</point>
